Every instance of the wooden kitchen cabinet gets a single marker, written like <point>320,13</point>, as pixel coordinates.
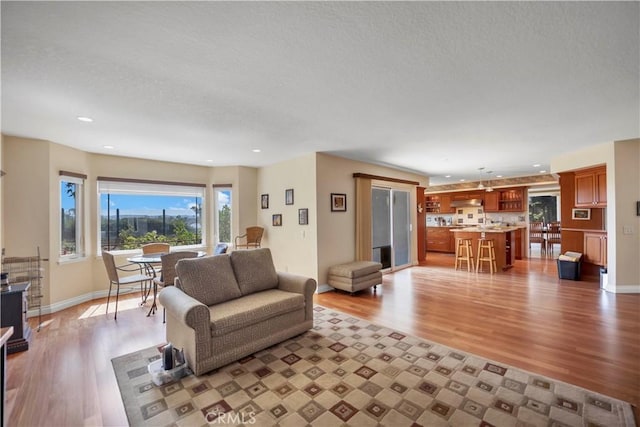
<point>445,204</point>
<point>439,239</point>
<point>491,201</point>
<point>595,247</point>
<point>511,200</point>
<point>591,188</point>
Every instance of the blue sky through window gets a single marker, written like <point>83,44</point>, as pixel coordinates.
<point>149,205</point>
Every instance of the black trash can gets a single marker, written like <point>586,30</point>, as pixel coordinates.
<point>569,266</point>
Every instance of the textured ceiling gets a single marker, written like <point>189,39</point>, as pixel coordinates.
<point>435,87</point>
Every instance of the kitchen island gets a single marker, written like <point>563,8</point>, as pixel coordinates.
<point>503,242</point>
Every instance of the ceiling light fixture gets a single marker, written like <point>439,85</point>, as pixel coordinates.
<point>537,165</point>
<point>108,147</point>
<point>447,176</point>
<point>85,119</point>
<point>256,150</point>
<point>480,186</point>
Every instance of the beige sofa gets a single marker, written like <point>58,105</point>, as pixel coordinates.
<point>226,307</point>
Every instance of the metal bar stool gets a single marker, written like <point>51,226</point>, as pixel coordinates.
<point>486,252</point>
<point>464,252</point>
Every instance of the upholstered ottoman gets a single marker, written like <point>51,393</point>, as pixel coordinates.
<point>355,276</point>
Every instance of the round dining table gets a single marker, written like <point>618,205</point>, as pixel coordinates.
<point>149,262</point>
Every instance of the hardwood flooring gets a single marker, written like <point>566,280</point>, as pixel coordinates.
<point>525,317</point>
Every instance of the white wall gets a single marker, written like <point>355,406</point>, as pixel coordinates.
<point>627,193</point>
<point>293,246</point>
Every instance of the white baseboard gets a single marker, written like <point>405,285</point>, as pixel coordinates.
<point>624,289</point>
<point>61,305</point>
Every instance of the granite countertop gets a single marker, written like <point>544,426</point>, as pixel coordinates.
<point>488,229</point>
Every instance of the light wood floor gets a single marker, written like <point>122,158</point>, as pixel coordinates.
<point>525,317</point>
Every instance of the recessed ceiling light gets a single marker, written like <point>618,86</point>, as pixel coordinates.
<point>85,119</point>
<point>543,171</point>
<point>537,165</point>
<point>462,180</point>
<point>108,147</point>
<point>498,176</point>
<point>447,176</point>
<point>210,160</point>
<point>256,150</point>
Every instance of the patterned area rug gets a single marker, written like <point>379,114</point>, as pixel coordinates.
<point>346,371</point>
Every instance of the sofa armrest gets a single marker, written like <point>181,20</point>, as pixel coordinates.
<point>188,310</point>
<point>301,285</point>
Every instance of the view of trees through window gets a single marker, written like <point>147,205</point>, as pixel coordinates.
<point>543,208</point>
<point>69,212</point>
<point>128,221</point>
<point>223,207</point>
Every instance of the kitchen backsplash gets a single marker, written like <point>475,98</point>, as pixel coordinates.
<point>475,216</point>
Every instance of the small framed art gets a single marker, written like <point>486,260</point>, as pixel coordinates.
<point>579,213</point>
<point>338,202</point>
<point>264,201</point>
<point>288,196</point>
<point>303,216</point>
<point>276,220</point>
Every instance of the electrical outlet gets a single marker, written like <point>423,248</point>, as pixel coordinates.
<point>627,229</point>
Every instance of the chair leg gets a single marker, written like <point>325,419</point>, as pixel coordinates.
<point>115,317</point>
<point>108,296</point>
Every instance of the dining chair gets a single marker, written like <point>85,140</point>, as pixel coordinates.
<point>252,238</point>
<point>156,248</point>
<point>115,279</point>
<point>553,235</point>
<point>168,276</point>
<point>536,235</point>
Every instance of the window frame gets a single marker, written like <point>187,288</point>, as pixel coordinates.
<point>218,188</point>
<point>142,187</point>
<point>81,251</point>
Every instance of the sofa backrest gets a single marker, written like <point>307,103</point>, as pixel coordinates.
<point>209,279</point>
<point>254,270</point>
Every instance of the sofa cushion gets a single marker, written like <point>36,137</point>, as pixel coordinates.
<point>254,270</point>
<point>251,309</point>
<point>209,279</point>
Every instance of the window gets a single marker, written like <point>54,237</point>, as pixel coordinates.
<point>136,212</point>
<point>222,200</point>
<point>544,208</point>
<point>71,215</point>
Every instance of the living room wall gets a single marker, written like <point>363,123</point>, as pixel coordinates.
<point>293,246</point>
<point>337,230</point>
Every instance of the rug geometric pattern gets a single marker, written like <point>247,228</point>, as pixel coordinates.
<point>347,371</point>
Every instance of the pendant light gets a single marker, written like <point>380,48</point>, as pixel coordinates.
<point>489,188</point>
<point>480,186</point>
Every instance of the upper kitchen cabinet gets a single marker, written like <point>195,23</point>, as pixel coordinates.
<point>445,204</point>
<point>491,201</point>
<point>591,188</point>
<point>511,200</point>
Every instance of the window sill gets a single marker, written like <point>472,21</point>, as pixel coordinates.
<point>71,260</point>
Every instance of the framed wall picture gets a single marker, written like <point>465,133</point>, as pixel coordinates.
<point>579,213</point>
<point>338,202</point>
<point>288,196</point>
<point>303,216</point>
<point>276,220</point>
<point>264,201</point>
